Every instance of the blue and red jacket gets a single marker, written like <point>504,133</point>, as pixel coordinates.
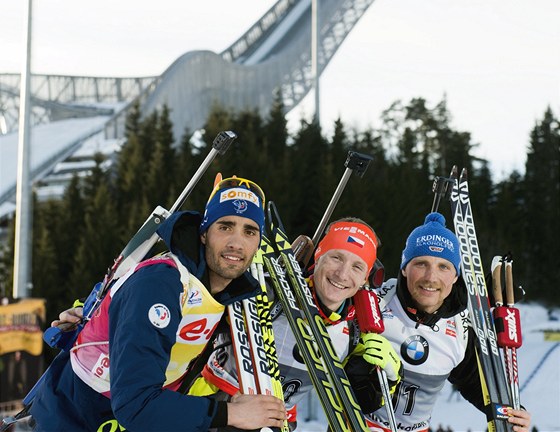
<point>129,359</point>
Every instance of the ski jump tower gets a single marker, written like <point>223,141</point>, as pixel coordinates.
<point>274,55</point>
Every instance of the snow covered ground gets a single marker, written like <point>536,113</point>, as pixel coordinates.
<point>539,379</point>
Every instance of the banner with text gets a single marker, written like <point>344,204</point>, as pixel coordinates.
<point>20,326</point>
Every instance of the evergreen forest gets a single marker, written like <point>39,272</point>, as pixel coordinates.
<point>76,238</point>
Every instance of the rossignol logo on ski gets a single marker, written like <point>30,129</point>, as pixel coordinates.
<point>261,357</point>
<point>245,362</point>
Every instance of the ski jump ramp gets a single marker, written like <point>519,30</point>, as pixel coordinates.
<point>272,57</point>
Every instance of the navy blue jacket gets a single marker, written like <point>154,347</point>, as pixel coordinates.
<point>139,354</point>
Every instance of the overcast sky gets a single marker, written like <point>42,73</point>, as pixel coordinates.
<point>497,62</point>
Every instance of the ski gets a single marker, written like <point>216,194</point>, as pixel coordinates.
<point>265,318</point>
<point>253,343</point>
<point>313,340</point>
<point>507,322</point>
<point>496,395</point>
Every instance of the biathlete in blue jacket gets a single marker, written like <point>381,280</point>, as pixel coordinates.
<point>130,359</point>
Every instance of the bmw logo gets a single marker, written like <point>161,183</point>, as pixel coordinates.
<point>415,349</point>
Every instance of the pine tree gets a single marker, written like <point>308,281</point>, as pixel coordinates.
<point>310,198</point>
<point>46,262</point>
<point>276,152</point>
<point>542,184</point>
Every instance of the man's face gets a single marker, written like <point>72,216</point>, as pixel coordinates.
<point>231,242</point>
<point>429,281</point>
<point>337,276</point>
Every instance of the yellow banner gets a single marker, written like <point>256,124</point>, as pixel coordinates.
<point>552,335</point>
<point>20,326</point>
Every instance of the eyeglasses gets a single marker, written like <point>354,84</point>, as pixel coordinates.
<point>238,181</point>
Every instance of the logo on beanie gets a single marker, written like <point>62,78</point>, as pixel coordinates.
<point>240,206</point>
<point>234,194</point>
<point>436,243</point>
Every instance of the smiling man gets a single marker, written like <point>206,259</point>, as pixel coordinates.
<point>343,261</point>
<point>426,322</point>
<point>128,364</point>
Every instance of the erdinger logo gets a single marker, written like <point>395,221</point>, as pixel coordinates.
<point>435,240</point>
<point>240,206</point>
<point>415,350</point>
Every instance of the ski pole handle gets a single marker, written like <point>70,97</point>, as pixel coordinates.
<point>441,189</point>
<point>510,298</point>
<point>303,248</point>
<point>355,162</point>
<point>497,280</point>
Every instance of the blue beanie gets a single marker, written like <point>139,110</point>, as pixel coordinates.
<point>432,239</point>
<point>237,200</point>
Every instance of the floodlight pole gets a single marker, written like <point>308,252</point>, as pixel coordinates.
<point>315,57</point>
<point>23,233</point>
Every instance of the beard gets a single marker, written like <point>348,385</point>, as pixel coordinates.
<point>224,269</point>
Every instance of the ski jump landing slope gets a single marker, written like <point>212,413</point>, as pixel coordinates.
<point>272,57</point>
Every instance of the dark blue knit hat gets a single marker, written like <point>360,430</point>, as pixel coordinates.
<point>234,197</point>
<point>432,239</point>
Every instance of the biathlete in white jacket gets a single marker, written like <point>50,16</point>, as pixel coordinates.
<point>343,261</point>
<point>426,321</point>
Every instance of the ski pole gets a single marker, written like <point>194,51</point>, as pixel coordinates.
<point>507,323</point>
<point>303,246</point>
<point>355,162</point>
<point>517,331</point>
<point>371,321</point>
<point>441,189</point>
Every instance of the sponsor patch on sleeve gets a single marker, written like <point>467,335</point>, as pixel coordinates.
<point>159,315</point>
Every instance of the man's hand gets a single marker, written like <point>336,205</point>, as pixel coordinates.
<point>255,411</point>
<point>68,318</point>
<point>379,352</point>
<point>521,419</point>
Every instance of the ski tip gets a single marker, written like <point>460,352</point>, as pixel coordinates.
<point>464,175</point>
<point>454,172</point>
